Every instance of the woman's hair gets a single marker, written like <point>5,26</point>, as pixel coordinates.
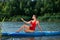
<point>35,15</point>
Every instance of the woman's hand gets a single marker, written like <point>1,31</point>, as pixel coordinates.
<point>25,21</point>
<point>22,19</point>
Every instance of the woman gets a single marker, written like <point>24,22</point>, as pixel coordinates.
<point>32,26</point>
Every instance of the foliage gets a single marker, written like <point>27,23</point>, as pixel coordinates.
<point>46,10</point>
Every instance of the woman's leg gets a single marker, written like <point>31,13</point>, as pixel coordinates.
<point>25,27</point>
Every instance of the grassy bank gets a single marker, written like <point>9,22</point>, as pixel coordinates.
<point>46,17</point>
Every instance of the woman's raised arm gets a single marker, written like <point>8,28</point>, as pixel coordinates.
<point>25,21</point>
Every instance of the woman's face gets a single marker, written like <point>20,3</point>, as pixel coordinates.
<point>33,17</point>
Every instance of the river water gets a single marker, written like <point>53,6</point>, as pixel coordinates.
<point>46,26</point>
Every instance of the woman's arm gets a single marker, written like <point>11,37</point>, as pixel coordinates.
<point>39,26</point>
<point>25,21</point>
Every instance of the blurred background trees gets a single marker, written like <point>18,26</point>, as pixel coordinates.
<point>13,10</point>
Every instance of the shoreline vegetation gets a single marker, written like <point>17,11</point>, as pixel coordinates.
<point>47,18</point>
<point>13,10</point>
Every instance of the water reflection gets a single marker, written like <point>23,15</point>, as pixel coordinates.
<point>34,38</point>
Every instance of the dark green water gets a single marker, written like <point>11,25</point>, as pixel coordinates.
<point>46,26</point>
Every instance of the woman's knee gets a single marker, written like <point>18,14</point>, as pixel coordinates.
<point>26,26</point>
<point>23,24</point>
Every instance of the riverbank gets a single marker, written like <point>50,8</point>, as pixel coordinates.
<point>27,18</point>
<point>46,17</point>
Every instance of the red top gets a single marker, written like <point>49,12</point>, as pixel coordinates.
<point>33,25</point>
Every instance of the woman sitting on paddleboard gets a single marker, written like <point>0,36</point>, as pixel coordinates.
<point>32,26</point>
